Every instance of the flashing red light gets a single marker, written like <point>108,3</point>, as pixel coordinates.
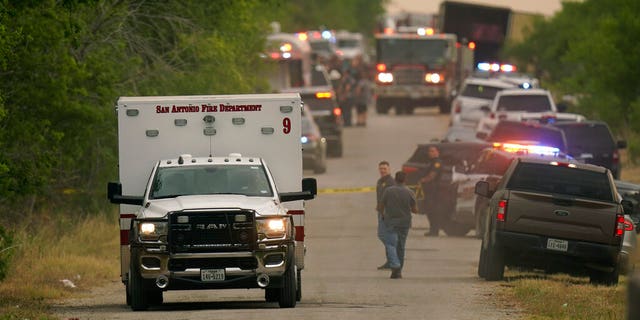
<point>381,67</point>
<point>472,45</point>
<point>502,210</point>
<point>337,111</point>
<point>458,45</point>
<point>274,55</point>
<point>388,30</point>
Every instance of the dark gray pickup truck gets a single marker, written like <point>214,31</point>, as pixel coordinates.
<point>553,216</point>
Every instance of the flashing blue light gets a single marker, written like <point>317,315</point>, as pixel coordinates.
<point>304,139</point>
<point>484,66</point>
<point>326,34</point>
<point>526,85</point>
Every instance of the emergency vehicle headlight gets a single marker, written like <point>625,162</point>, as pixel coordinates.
<point>385,77</point>
<point>152,231</point>
<point>272,227</point>
<point>433,78</point>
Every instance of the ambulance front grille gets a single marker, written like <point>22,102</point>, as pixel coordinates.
<point>199,232</point>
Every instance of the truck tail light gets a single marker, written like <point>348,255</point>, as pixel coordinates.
<point>457,108</point>
<point>620,225</point>
<point>615,157</point>
<point>502,211</point>
<point>492,115</point>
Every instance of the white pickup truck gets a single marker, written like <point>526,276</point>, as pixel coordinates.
<point>199,206</point>
<point>522,105</point>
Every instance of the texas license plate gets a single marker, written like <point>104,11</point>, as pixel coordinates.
<point>558,245</point>
<point>212,275</point>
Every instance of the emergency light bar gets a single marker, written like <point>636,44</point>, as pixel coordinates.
<point>323,95</point>
<point>526,149</point>
<point>496,67</point>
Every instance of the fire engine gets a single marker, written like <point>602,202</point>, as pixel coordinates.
<point>211,195</point>
<point>417,67</point>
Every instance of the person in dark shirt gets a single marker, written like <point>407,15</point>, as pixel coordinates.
<point>431,187</point>
<point>385,181</point>
<point>397,204</point>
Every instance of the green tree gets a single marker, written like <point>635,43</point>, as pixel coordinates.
<point>589,49</point>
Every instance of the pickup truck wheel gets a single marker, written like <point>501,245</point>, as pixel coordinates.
<point>288,292</point>
<point>299,286</point>
<point>126,289</point>
<point>495,263</point>
<point>456,229</point>
<point>155,297</point>
<point>482,262</point>
<point>272,294</point>
<point>605,278</point>
<point>137,290</point>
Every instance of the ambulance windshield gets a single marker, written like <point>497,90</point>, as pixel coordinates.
<point>248,180</point>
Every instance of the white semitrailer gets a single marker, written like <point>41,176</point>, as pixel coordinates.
<point>199,206</point>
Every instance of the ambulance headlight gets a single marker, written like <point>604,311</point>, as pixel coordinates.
<point>152,231</point>
<point>272,228</point>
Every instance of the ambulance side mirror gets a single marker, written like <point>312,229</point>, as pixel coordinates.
<point>309,191</point>
<point>114,193</point>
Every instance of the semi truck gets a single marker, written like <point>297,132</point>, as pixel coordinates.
<point>211,195</point>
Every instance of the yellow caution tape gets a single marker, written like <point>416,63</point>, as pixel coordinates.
<point>416,188</point>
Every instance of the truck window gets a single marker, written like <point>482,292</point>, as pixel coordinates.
<point>407,51</point>
<point>170,182</point>
<point>480,91</point>
<point>527,103</point>
<point>561,180</point>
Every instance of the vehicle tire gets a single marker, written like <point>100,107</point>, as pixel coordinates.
<point>272,294</point>
<point>320,166</point>
<point>409,110</point>
<point>299,286</point>
<point>494,263</point>
<point>335,150</point>
<point>605,278</point>
<point>126,289</point>
<point>288,292</point>
<point>482,262</point>
<point>456,229</point>
<point>137,290</point>
<point>155,297</point>
<point>382,107</point>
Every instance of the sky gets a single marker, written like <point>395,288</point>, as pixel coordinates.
<point>545,7</point>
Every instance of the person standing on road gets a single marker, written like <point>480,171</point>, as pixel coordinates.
<point>398,202</point>
<point>385,181</point>
<point>430,184</point>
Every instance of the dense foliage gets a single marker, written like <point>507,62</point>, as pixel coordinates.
<point>590,50</point>
<point>65,62</point>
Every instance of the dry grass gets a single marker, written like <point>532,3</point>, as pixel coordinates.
<point>86,253</point>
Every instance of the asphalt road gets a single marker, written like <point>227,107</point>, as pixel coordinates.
<point>340,280</point>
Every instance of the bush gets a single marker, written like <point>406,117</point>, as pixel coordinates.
<point>6,249</point>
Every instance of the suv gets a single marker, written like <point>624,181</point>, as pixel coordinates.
<point>523,105</point>
<point>324,108</point>
<point>475,93</point>
<point>527,132</point>
<point>592,142</point>
<point>558,216</point>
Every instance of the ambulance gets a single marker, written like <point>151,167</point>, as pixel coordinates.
<point>211,195</point>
